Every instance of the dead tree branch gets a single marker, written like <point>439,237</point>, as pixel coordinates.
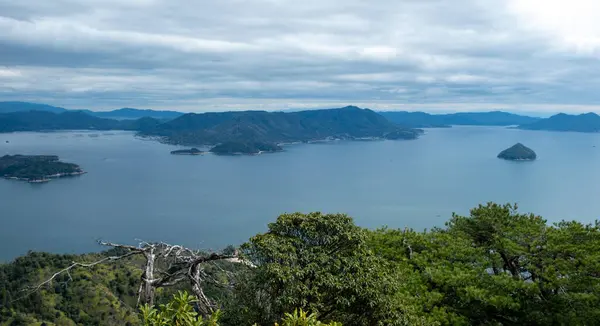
<point>181,264</point>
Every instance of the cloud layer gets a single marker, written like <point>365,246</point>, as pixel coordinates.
<point>205,55</point>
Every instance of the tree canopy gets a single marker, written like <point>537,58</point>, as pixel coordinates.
<point>496,266</point>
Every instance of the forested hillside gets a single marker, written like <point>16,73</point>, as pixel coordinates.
<point>496,266</point>
<point>277,127</point>
<point>587,122</point>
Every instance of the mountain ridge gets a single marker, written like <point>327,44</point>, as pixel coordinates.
<point>277,127</point>
<point>585,122</point>
<point>117,114</point>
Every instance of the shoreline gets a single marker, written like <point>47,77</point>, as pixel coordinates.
<point>46,178</point>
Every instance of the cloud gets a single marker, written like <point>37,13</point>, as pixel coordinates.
<point>573,25</point>
<point>278,54</point>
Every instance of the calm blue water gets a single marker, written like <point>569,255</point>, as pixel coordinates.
<point>136,190</point>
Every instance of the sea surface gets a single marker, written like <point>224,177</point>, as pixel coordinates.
<point>135,189</point>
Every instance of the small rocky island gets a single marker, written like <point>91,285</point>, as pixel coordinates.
<point>245,148</point>
<point>191,151</point>
<point>36,168</point>
<point>518,152</point>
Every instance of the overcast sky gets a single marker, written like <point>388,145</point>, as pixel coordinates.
<point>212,55</point>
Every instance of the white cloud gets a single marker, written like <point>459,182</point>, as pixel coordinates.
<point>465,78</point>
<point>9,73</point>
<point>379,52</point>
<point>573,23</point>
<point>274,54</point>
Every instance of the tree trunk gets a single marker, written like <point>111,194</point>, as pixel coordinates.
<point>203,305</point>
<point>146,295</point>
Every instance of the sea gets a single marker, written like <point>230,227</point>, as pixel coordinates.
<point>135,190</point>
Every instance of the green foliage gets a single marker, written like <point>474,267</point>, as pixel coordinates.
<point>318,263</point>
<point>178,312</point>
<point>499,267</point>
<point>302,318</point>
<point>103,295</point>
<point>494,267</point>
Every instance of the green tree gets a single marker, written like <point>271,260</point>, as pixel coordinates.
<point>301,318</point>
<point>498,267</point>
<point>178,312</point>
<point>318,263</point>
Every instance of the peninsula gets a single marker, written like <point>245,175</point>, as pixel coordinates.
<point>36,168</point>
<point>191,151</point>
<point>247,148</point>
<point>518,152</point>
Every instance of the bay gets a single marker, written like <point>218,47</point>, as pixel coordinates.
<point>135,189</point>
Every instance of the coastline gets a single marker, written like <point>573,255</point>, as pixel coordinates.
<point>46,178</point>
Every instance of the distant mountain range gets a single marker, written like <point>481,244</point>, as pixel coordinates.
<point>426,120</point>
<point>211,128</point>
<point>587,122</point>
<point>68,120</point>
<point>7,107</point>
<point>214,128</point>
<point>119,114</point>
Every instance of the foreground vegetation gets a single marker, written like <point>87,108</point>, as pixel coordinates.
<point>494,267</point>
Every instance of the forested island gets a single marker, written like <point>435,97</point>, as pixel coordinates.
<point>518,152</point>
<point>36,168</point>
<point>245,148</point>
<point>495,266</point>
<point>277,127</point>
<point>191,151</point>
<point>248,131</point>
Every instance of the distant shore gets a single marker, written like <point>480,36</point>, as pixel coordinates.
<point>46,178</point>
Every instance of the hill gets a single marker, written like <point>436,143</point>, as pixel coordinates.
<point>426,120</point>
<point>42,121</point>
<point>15,106</point>
<point>587,122</point>
<point>277,127</point>
<point>69,120</point>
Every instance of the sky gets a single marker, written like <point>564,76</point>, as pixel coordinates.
<point>536,56</point>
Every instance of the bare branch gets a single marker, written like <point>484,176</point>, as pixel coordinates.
<point>181,263</point>
<point>116,245</point>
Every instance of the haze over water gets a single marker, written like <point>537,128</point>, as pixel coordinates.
<point>135,189</point>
